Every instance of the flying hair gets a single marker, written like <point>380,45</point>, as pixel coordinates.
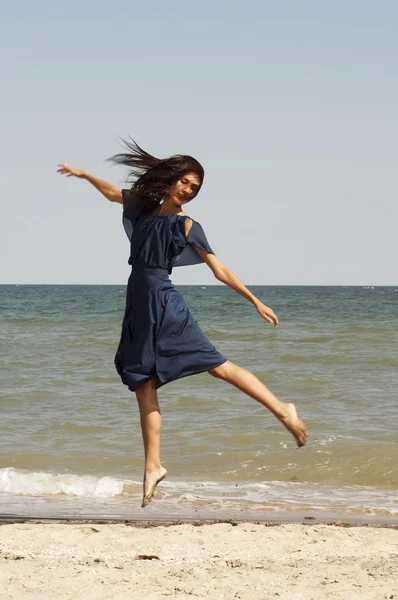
<point>152,177</point>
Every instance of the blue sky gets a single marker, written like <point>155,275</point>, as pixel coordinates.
<point>291,107</point>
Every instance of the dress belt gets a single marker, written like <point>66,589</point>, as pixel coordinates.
<point>136,268</point>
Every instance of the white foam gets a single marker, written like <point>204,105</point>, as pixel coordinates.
<point>226,495</point>
<point>15,481</point>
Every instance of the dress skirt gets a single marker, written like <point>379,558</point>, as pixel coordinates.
<point>160,338</point>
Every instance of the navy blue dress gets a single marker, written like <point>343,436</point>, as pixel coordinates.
<point>160,339</point>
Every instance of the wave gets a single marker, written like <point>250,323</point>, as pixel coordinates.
<point>216,496</point>
<point>21,482</point>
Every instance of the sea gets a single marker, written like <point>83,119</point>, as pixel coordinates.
<point>70,443</point>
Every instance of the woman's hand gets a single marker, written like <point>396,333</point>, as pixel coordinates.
<point>65,169</point>
<point>222,273</point>
<point>113,193</point>
<point>267,313</point>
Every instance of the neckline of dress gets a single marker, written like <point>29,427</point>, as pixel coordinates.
<point>166,216</point>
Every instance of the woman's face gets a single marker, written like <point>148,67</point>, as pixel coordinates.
<point>185,189</point>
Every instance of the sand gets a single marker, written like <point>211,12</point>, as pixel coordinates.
<point>232,561</point>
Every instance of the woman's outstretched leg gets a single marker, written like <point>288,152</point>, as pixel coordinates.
<point>252,386</point>
<point>151,423</point>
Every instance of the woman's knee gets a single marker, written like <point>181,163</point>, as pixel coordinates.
<point>222,371</point>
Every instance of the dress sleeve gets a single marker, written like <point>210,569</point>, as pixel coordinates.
<point>128,215</point>
<point>196,239</point>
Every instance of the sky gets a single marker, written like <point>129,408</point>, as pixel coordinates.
<point>290,106</point>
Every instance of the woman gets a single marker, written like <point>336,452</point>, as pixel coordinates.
<point>160,340</point>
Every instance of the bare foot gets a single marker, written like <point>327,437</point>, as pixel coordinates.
<point>294,425</point>
<point>151,480</point>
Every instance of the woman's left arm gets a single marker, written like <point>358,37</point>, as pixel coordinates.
<point>224,274</point>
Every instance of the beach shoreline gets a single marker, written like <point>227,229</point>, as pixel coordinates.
<point>269,520</point>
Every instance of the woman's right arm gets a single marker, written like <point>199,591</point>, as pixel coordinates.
<point>113,193</point>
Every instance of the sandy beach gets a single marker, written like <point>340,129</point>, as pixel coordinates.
<point>223,560</point>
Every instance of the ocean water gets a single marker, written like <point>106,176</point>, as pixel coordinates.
<point>70,441</point>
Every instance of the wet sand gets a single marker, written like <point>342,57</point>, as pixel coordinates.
<point>242,560</point>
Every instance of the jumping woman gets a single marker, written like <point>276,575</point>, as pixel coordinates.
<point>160,339</point>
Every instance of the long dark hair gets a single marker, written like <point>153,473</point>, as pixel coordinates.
<point>153,177</point>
